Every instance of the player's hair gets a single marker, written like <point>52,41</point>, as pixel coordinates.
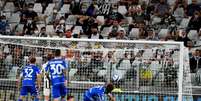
<point>57,52</point>
<point>32,60</point>
<point>49,56</point>
<point>109,88</point>
<point>70,97</point>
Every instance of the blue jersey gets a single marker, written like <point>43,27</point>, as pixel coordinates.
<point>95,93</point>
<point>55,68</point>
<point>29,75</point>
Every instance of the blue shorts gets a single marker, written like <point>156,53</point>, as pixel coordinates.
<point>59,90</point>
<point>29,89</point>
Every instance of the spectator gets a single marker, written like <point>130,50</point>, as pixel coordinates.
<point>36,32</point>
<point>114,28</point>
<point>29,13</point>
<point>4,26</point>
<point>68,33</point>
<point>179,4</point>
<point>183,37</point>
<point>29,27</point>
<point>43,32</point>
<point>161,8</point>
<point>191,8</point>
<point>75,7</point>
<point>139,16</point>
<point>115,15</point>
<point>94,33</point>
<point>195,21</point>
<point>168,19</point>
<point>195,61</point>
<point>87,22</point>
<point>131,11</point>
<point>91,11</point>
<point>53,17</point>
<point>60,29</point>
<point>20,4</point>
<point>151,35</point>
<point>121,35</point>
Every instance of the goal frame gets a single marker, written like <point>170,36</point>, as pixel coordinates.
<point>180,44</point>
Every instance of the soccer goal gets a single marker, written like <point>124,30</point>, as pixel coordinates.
<point>143,70</point>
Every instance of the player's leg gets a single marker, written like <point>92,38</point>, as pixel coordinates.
<point>56,93</point>
<point>46,93</point>
<point>34,93</point>
<point>23,93</point>
<point>46,89</point>
<point>63,92</point>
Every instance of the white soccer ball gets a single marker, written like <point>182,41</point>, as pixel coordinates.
<point>115,78</point>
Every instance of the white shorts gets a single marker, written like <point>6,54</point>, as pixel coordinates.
<point>46,92</point>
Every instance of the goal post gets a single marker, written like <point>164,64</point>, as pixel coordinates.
<point>135,66</point>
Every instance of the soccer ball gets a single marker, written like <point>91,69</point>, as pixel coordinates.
<point>115,78</point>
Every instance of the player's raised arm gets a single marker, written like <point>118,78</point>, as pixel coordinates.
<point>65,72</point>
<point>39,80</point>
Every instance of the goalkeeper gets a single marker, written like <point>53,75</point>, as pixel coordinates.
<point>97,93</point>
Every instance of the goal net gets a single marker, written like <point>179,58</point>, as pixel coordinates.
<point>143,70</point>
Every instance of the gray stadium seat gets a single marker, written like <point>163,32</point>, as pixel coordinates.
<point>15,18</point>
<point>37,8</point>
<point>193,35</point>
<point>9,7</point>
<point>134,33</point>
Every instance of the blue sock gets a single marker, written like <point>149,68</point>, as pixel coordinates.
<point>19,99</point>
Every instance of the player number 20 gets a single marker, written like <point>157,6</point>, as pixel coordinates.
<point>57,68</point>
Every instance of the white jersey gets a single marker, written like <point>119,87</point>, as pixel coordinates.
<point>46,82</point>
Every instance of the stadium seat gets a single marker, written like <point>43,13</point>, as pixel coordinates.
<point>101,19</point>
<point>37,8</point>
<point>179,12</point>
<point>156,20</point>
<point>9,7</point>
<point>40,26</point>
<point>193,35</point>
<point>7,14</point>
<point>148,54</point>
<point>15,18</point>
<point>122,10</point>
<point>105,31</point>
<point>129,19</point>
<point>65,9</point>
<point>71,20</point>
<point>171,2</point>
<point>163,33</point>
<point>68,27</point>
<point>50,29</point>
<point>78,29</point>
<point>49,8</point>
<point>134,33</point>
<point>184,22</point>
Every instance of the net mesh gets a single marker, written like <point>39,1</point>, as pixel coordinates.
<point>135,68</point>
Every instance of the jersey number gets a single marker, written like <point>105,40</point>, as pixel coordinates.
<point>57,69</point>
<point>28,73</point>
